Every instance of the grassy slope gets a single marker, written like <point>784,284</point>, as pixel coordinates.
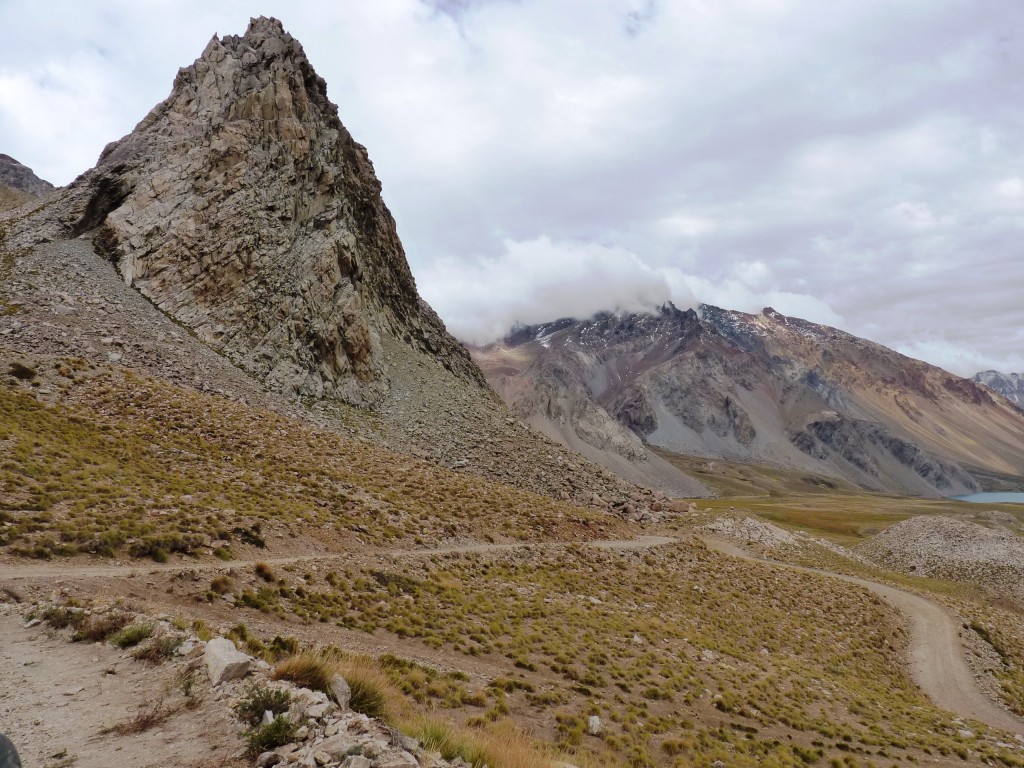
<point>686,655</point>
<point>128,464</point>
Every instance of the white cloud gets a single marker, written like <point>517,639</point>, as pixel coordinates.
<point>480,300</point>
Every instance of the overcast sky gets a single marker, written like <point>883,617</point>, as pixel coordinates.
<point>853,162</point>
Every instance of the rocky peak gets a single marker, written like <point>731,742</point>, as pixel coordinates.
<point>1009,385</point>
<point>20,177</point>
<point>243,208</point>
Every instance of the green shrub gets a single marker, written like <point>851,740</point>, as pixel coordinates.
<point>131,635</point>
<point>270,736</point>
<point>259,699</point>
<point>96,629</point>
<point>22,372</point>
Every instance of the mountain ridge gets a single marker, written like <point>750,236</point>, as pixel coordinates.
<point>1009,385</point>
<point>765,388</point>
<point>19,184</point>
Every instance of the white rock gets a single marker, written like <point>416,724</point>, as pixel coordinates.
<point>340,691</point>
<point>594,725</point>
<point>356,761</point>
<point>336,746</point>
<point>225,662</point>
<point>268,717</point>
<point>317,711</point>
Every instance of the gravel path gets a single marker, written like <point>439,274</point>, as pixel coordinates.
<point>937,660</point>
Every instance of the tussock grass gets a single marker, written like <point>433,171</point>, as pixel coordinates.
<point>98,627</point>
<point>502,746</point>
<point>307,669</point>
<point>116,468</point>
<point>131,635</point>
<point>373,692</point>
<point>159,649</point>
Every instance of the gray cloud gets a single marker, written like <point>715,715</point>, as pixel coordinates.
<point>857,161</point>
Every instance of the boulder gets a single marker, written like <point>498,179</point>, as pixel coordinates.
<point>594,725</point>
<point>225,662</point>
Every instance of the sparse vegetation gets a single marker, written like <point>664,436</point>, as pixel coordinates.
<point>307,670</point>
<point>159,649</point>
<point>114,469</point>
<point>98,627</point>
<point>259,699</point>
<point>131,635</point>
<point>147,718</point>
<point>270,736</point>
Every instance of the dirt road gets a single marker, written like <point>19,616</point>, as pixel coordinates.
<point>937,660</point>
<point>14,572</point>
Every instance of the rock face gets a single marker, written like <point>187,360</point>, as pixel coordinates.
<point>243,208</point>
<point>20,177</point>
<point>19,185</point>
<point>1009,385</point>
<point>765,388</point>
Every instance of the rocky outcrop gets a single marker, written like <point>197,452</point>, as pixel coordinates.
<point>19,185</point>
<point>948,548</point>
<point>1009,385</point>
<point>20,177</point>
<point>243,208</point>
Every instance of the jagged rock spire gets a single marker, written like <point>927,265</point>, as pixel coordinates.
<point>243,208</point>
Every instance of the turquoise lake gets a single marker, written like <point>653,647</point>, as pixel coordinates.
<point>993,498</point>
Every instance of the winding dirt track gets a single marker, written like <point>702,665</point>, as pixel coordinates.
<point>20,572</point>
<point>937,661</point>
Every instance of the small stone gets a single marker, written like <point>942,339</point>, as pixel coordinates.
<point>268,760</point>
<point>322,758</point>
<point>268,717</point>
<point>302,734</point>
<point>33,623</point>
<point>594,725</point>
<point>317,711</point>
<point>356,761</point>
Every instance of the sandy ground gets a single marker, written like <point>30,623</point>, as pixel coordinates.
<point>57,696</point>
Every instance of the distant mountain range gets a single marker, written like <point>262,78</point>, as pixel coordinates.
<point>1009,385</point>
<point>761,388</point>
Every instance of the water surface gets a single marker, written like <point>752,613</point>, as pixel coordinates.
<point>993,498</point>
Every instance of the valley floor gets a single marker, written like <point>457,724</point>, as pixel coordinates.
<point>67,703</point>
